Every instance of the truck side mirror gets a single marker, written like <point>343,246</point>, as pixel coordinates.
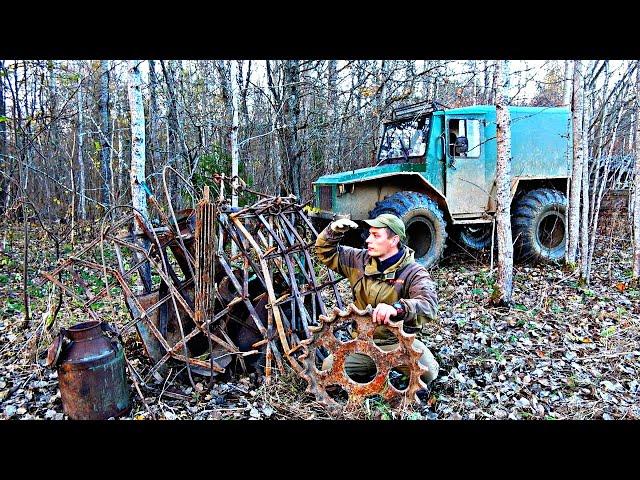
<point>462,145</point>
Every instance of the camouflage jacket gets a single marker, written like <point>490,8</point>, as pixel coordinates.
<point>369,286</point>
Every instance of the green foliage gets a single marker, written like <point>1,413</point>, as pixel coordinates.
<point>607,332</point>
<point>218,161</point>
<point>379,406</point>
<point>11,307</point>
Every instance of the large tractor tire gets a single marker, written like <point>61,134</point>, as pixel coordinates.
<point>475,236</point>
<point>423,221</point>
<point>539,225</point>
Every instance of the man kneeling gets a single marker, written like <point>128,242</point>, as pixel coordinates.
<point>385,276</point>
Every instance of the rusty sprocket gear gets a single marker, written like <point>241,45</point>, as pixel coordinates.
<point>323,336</point>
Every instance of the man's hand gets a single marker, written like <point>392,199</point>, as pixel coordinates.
<point>382,313</point>
<point>342,225</point>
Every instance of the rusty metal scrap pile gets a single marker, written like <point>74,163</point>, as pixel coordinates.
<point>218,283</point>
<point>216,287</point>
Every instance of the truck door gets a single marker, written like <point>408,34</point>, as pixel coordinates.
<point>467,188</point>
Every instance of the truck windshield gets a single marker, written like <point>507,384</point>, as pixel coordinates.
<point>404,139</point>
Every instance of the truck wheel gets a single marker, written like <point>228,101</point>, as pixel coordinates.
<point>423,221</point>
<point>539,223</point>
<point>475,237</point>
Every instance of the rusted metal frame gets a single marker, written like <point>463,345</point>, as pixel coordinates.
<point>74,258</point>
<point>175,293</point>
<point>241,246</point>
<point>275,312</point>
<point>288,325</point>
<point>275,257</point>
<point>233,236</point>
<point>126,274</point>
<point>152,261</point>
<point>302,248</point>
<point>271,348</point>
<point>332,278</point>
<point>205,267</point>
<point>163,312</point>
<point>73,294</point>
<point>172,353</point>
<point>84,285</point>
<point>314,280</point>
<point>258,272</point>
<point>112,271</point>
<point>142,313</point>
<point>292,284</point>
<point>234,281</point>
<point>194,361</point>
<point>186,308</point>
<point>310,275</point>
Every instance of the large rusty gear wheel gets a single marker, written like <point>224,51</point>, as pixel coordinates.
<point>323,336</point>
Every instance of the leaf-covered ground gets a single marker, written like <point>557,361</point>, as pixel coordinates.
<point>564,351</point>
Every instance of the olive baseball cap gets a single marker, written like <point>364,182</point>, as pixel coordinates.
<point>391,221</point>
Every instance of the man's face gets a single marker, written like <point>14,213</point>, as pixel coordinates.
<point>380,243</point>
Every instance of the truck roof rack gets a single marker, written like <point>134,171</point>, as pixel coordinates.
<point>416,109</point>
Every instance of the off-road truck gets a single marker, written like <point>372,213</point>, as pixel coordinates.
<point>436,169</point>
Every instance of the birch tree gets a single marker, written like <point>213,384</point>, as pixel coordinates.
<point>235,154</point>
<point>567,83</point>
<point>636,185</point>
<point>504,285</point>
<point>81,167</point>
<point>136,107</point>
<point>576,173</point>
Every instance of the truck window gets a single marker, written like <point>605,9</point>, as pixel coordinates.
<point>404,139</point>
<point>470,129</point>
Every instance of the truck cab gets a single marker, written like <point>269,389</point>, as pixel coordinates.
<point>436,169</point>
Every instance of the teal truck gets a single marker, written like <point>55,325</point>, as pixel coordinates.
<point>436,169</point>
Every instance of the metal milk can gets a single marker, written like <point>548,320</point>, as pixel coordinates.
<point>90,371</point>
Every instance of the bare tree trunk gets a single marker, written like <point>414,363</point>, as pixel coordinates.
<point>332,114</point>
<point>105,154</point>
<point>502,294</point>
<point>584,223</point>
<point>576,174</point>
<point>81,178</point>
<point>636,186</point>
<point>4,160</point>
<point>601,185</point>
<point>291,111</point>
<point>154,115</point>
<point>173,131</point>
<point>235,153</point>
<point>566,84</point>
<point>136,107</point>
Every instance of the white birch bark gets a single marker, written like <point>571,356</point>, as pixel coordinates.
<point>566,84</point>
<point>504,282</point>
<point>136,107</point>
<point>235,152</point>
<point>576,174</point>
<point>584,223</point>
<point>636,187</point>
<point>81,177</point>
